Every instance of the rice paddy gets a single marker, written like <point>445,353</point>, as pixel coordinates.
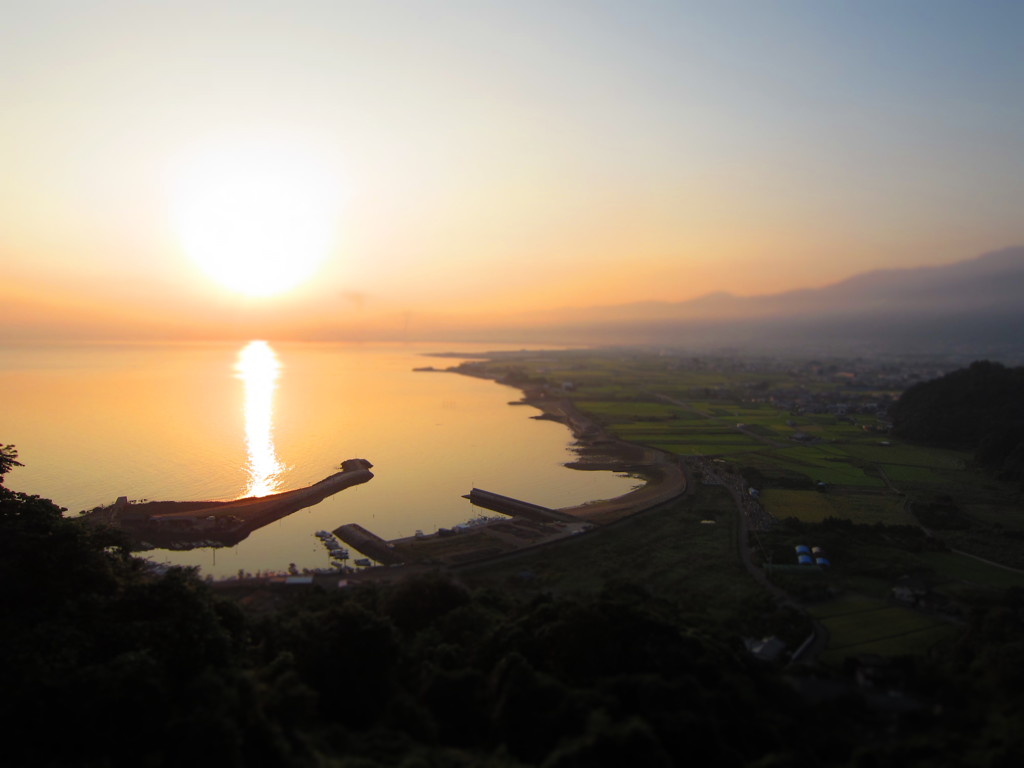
<point>861,625</point>
<point>817,448</point>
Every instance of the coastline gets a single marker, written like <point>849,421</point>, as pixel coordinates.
<point>660,477</point>
<point>523,525</point>
<point>663,474</point>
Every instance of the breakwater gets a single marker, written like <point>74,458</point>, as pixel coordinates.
<point>515,507</point>
<point>191,524</point>
<point>370,544</point>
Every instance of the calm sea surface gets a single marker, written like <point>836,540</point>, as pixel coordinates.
<point>223,421</point>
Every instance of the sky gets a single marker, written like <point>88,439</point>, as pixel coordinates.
<point>394,162</point>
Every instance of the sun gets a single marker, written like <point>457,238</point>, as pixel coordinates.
<point>258,217</point>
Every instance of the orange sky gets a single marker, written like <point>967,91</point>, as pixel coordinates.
<point>486,159</point>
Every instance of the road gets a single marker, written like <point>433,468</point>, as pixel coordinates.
<point>808,652</point>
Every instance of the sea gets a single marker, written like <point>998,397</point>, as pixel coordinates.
<point>219,421</point>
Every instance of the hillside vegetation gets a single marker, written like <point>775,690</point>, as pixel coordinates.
<point>980,408</point>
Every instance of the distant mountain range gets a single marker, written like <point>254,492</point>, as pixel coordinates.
<point>971,310</point>
<point>975,306</point>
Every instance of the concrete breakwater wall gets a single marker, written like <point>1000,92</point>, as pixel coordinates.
<point>274,508</point>
<point>184,525</point>
<point>515,507</point>
<point>370,544</point>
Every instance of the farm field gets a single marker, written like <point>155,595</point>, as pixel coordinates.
<point>871,508</point>
<point>949,566</point>
<point>909,455</point>
<point>813,439</point>
<point>857,625</point>
<point>1010,517</point>
<point>815,506</point>
<point>806,506</point>
<point>737,414</point>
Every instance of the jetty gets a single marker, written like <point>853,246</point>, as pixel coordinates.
<point>191,524</point>
<point>370,544</point>
<point>516,507</point>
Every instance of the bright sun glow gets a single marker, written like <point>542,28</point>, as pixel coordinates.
<point>258,368</point>
<point>257,217</point>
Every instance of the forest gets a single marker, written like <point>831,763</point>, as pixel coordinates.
<point>980,407</point>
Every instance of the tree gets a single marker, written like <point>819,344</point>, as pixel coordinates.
<point>8,459</point>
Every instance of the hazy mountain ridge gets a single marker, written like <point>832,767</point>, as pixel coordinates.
<point>973,307</point>
<point>976,303</point>
<point>992,280</point>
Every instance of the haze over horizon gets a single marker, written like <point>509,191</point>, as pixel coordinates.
<point>362,170</point>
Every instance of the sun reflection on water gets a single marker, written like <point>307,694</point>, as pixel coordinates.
<point>258,368</point>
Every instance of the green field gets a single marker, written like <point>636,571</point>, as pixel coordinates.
<point>813,506</point>
<point>910,455</point>
<point>840,452</point>
<point>684,406</point>
<point>818,464</point>
<point>871,508</point>
<point>806,506</point>
<point>857,625</point>
<point>1007,516</point>
<point>902,475</point>
<point>701,449</point>
<point>618,412</point>
<point>949,566</point>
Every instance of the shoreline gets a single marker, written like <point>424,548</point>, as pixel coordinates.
<point>664,477</point>
<point>661,477</point>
